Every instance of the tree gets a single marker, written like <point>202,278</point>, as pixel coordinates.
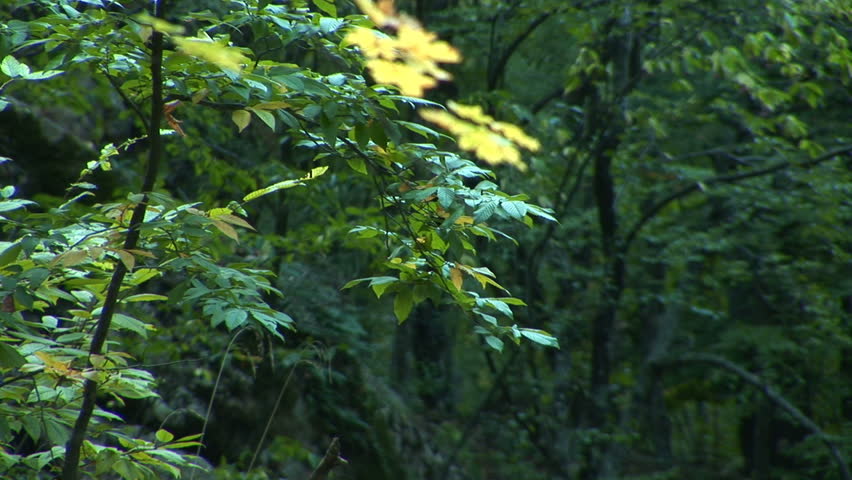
<point>82,279</point>
<point>679,134</point>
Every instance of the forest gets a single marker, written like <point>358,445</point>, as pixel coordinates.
<point>426,239</point>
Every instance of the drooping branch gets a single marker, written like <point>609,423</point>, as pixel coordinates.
<point>733,178</point>
<point>772,395</point>
<point>73,448</point>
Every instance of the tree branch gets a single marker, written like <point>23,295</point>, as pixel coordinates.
<point>73,448</point>
<point>699,186</point>
<point>331,459</point>
<point>773,396</point>
<point>495,73</point>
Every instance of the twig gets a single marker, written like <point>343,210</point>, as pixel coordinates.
<point>331,459</point>
<point>271,418</point>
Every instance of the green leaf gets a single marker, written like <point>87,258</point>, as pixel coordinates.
<point>266,117</point>
<point>422,130</point>
<point>485,211</point>
<point>446,197</point>
<point>516,210</point>
<point>330,25</point>
<point>146,297</point>
<point>9,357</point>
<point>123,321</point>
<point>164,436</point>
<point>326,6</point>
<point>494,343</point>
<point>13,68</point>
<point>381,284</point>
<point>241,119</point>
<point>402,304</point>
<point>43,75</point>
<point>540,337</point>
<point>235,318</point>
<point>10,254</point>
<point>357,164</point>
<point>315,172</point>
<point>9,205</point>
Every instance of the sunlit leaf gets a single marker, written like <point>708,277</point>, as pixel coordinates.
<point>226,229</point>
<point>228,58</point>
<point>456,277</point>
<point>241,119</point>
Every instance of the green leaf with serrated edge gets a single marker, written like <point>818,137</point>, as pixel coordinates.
<point>235,318</point>
<point>403,304</point>
<point>515,210</point>
<point>446,197</point>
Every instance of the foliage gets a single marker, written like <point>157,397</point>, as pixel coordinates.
<point>67,267</point>
<point>695,155</point>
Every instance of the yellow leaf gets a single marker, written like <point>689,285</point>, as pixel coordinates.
<point>98,361</point>
<point>315,172</point>
<point>228,58</point>
<point>72,257</point>
<point>241,118</point>
<point>143,253</point>
<point>485,143</point>
<point>464,220</point>
<point>159,25</point>
<point>56,367</point>
<point>376,15</point>
<point>272,105</point>
<point>200,95</point>
<point>456,277</point>
<point>473,113</point>
<point>234,220</point>
<point>409,80</point>
<point>226,229</point>
<point>126,258</point>
<point>215,212</point>
<point>515,134</point>
<point>423,44</point>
